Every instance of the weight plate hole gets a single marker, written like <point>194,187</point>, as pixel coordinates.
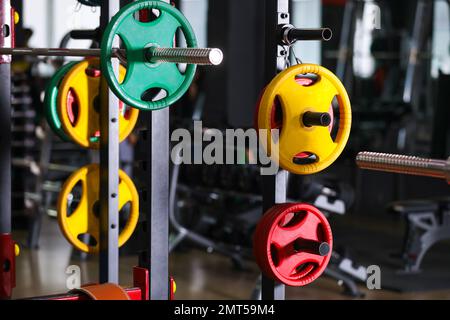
<point>292,219</point>
<point>303,269</point>
<point>87,239</point>
<point>307,80</point>
<point>276,117</point>
<point>72,106</point>
<point>74,198</point>
<point>124,214</point>
<point>335,117</point>
<point>147,15</point>
<point>305,158</point>
<point>93,72</point>
<point>274,255</point>
<point>154,94</point>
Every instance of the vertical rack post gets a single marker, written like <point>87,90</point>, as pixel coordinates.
<point>7,271</point>
<point>5,120</point>
<point>109,168</point>
<point>156,258</point>
<point>274,186</point>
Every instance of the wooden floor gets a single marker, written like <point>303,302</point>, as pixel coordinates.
<point>199,275</point>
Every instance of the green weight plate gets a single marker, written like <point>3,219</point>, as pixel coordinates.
<point>51,100</point>
<point>137,37</point>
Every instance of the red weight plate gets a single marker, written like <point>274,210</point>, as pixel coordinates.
<point>259,248</point>
<point>286,244</point>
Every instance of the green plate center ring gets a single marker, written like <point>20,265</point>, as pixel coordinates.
<point>141,75</point>
<point>51,101</point>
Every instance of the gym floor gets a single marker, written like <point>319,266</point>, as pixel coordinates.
<point>199,275</point>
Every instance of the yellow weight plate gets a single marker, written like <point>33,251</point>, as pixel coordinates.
<point>294,100</point>
<point>84,219</point>
<point>79,105</point>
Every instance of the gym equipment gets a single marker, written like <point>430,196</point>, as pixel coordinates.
<point>105,291</point>
<point>291,35</point>
<point>404,165</point>
<point>85,218</point>
<point>9,250</point>
<point>427,223</point>
<point>293,243</point>
<point>199,56</point>
<point>141,39</point>
<point>148,57</point>
<point>329,195</point>
<point>305,144</point>
<point>50,101</point>
<point>110,291</point>
<point>79,105</point>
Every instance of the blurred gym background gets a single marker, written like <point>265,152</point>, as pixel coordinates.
<point>397,72</point>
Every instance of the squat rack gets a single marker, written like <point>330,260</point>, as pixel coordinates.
<point>155,199</point>
<point>155,279</point>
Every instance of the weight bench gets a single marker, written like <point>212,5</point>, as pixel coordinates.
<point>427,223</point>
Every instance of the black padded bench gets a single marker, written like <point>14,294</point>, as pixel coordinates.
<point>427,222</point>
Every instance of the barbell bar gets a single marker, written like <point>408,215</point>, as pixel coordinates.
<point>404,165</point>
<point>199,56</point>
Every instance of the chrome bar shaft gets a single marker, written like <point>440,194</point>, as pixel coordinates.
<point>404,164</point>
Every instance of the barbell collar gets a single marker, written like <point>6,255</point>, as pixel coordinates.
<point>404,165</point>
<point>290,34</point>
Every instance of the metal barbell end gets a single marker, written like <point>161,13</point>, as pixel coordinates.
<point>199,56</point>
<point>311,246</point>
<point>48,52</point>
<point>320,119</point>
<point>290,34</point>
<point>404,164</point>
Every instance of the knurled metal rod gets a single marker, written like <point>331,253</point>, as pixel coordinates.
<point>404,165</point>
<point>200,56</point>
<point>186,55</point>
